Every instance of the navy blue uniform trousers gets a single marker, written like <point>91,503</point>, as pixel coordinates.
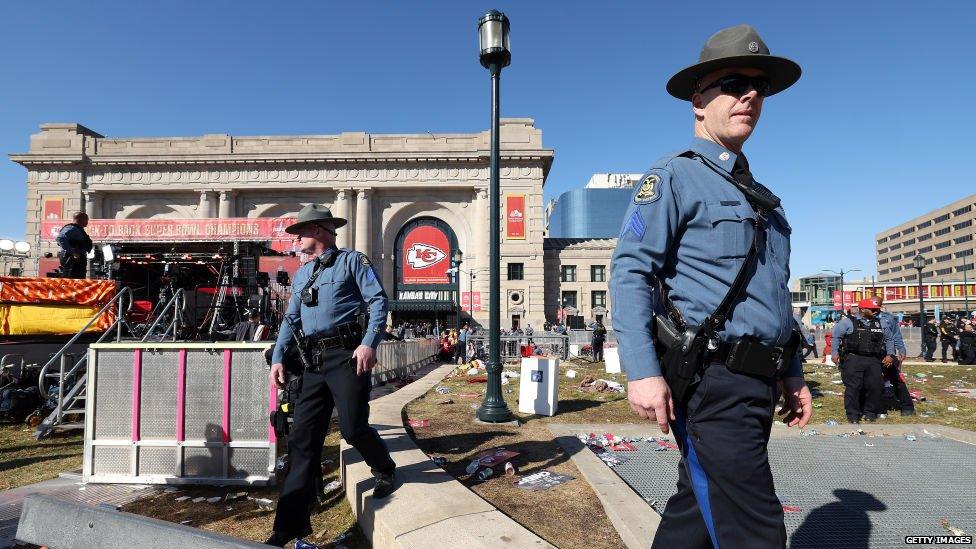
<point>726,497</point>
<point>334,385</point>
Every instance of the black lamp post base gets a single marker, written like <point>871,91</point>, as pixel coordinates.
<point>513,423</point>
<point>495,413</point>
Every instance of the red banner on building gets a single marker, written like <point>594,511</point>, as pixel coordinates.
<point>426,256</point>
<point>153,230</point>
<point>466,301</point>
<point>53,209</point>
<point>515,216</point>
<point>850,299</point>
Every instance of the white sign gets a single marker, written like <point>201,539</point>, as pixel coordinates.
<point>539,386</point>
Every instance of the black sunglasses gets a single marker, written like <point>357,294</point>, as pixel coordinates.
<point>738,84</point>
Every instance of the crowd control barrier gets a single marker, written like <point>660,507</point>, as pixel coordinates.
<point>179,413</point>
<point>194,413</point>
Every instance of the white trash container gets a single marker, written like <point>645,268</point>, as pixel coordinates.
<point>611,360</point>
<point>539,386</point>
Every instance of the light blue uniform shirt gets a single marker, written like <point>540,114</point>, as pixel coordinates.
<point>890,324</point>
<point>692,231</point>
<point>845,327</point>
<point>342,289</point>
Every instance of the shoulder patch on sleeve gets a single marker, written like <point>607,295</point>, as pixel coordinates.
<point>634,225</point>
<point>649,189</point>
<point>364,259</point>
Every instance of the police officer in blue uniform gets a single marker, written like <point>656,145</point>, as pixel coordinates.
<point>684,240</point>
<point>893,373</point>
<point>865,346</point>
<point>75,245</point>
<point>326,298</point>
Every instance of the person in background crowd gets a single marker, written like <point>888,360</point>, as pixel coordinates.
<point>893,376</point>
<point>250,329</point>
<point>75,245</point>
<point>461,349</point>
<point>948,334</point>
<point>967,345</point>
<point>929,334</point>
<point>598,339</point>
<point>864,346</point>
<point>390,335</point>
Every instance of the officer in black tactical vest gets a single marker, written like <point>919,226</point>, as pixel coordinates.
<point>865,345</point>
<point>75,245</point>
<point>967,345</point>
<point>930,332</point>
<point>948,334</point>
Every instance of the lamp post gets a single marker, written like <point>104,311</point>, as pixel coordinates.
<point>965,284</point>
<point>919,264</point>
<point>842,273</point>
<point>494,54</point>
<point>456,258</point>
<point>17,250</point>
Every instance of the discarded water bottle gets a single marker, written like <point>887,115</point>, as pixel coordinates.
<point>485,473</point>
<point>472,467</point>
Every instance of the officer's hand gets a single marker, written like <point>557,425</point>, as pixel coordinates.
<point>797,402</point>
<point>901,357</point>
<point>365,359</point>
<point>887,360</point>
<point>277,375</point>
<point>650,398</point>
<point>835,359</point>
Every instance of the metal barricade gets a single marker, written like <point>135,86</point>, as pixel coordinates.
<point>510,347</point>
<point>397,358</point>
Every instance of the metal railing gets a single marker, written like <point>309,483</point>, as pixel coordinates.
<point>76,374</point>
<point>510,349</point>
<point>394,358</point>
<point>177,303</point>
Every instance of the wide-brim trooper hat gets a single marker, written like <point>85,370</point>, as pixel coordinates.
<point>738,46</point>
<point>314,213</point>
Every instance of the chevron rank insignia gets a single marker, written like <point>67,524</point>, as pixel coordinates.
<point>649,190</point>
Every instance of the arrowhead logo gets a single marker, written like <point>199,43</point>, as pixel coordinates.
<point>421,256</point>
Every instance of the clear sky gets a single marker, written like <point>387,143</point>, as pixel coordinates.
<point>878,130</point>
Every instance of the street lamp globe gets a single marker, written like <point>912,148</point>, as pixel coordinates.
<point>6,245</point>
<point>22,247</point>
<point>919,262</point>
<point>493,40</point>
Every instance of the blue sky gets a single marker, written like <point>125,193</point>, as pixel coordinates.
<point>877,131</point>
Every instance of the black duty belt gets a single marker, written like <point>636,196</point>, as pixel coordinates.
<point>325,343</point>
<point>756,359</point>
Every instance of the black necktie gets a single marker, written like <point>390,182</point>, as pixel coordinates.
<point>741,173</point>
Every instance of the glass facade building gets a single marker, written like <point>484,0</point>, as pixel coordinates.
<point>589,213</point>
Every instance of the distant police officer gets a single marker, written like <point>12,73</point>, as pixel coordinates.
<point>75,245</point>
<point>967,345</point>
<point>948,335</point>
<point>326,297</point>
<point>865,346</point>
<point>893,373</point>
<point>697,220</point>
<point>930,332</point>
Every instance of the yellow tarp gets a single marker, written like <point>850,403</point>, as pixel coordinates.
<point>50,319</point>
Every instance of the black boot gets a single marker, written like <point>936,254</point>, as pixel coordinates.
<point>384,485</point>
<point>277,540</point>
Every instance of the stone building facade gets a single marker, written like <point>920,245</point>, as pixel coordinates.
<point>380,183</point>
<point>577,276</point>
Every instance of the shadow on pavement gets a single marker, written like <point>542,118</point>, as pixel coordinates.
<point>841,523</point>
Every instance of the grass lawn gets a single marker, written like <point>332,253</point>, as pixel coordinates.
<point>24,460</point>
<point>243,519</point>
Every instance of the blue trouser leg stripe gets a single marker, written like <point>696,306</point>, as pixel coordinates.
<point>699,482</point>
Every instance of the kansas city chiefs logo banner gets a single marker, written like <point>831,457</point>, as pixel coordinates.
<point>425,256</point>
<point>421,256</point>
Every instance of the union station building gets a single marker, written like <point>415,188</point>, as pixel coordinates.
<point>213,209</point>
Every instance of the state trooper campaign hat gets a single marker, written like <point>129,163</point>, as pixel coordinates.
<point>314,213</point>
<point>738,46</point>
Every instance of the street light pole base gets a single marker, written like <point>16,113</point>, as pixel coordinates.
<point>495,414</point>
<point>513,423</point>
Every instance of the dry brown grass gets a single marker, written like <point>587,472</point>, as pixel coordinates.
<point>569,515</point>
<point>243,519</point>
<point>24,460</point>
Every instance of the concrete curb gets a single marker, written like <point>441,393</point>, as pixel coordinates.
<point>429,509</point>
<point>631,516</point>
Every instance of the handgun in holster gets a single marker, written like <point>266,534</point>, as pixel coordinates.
<point>680,353</point>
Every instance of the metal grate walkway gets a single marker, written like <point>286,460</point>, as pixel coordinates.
<point>848,494</point>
